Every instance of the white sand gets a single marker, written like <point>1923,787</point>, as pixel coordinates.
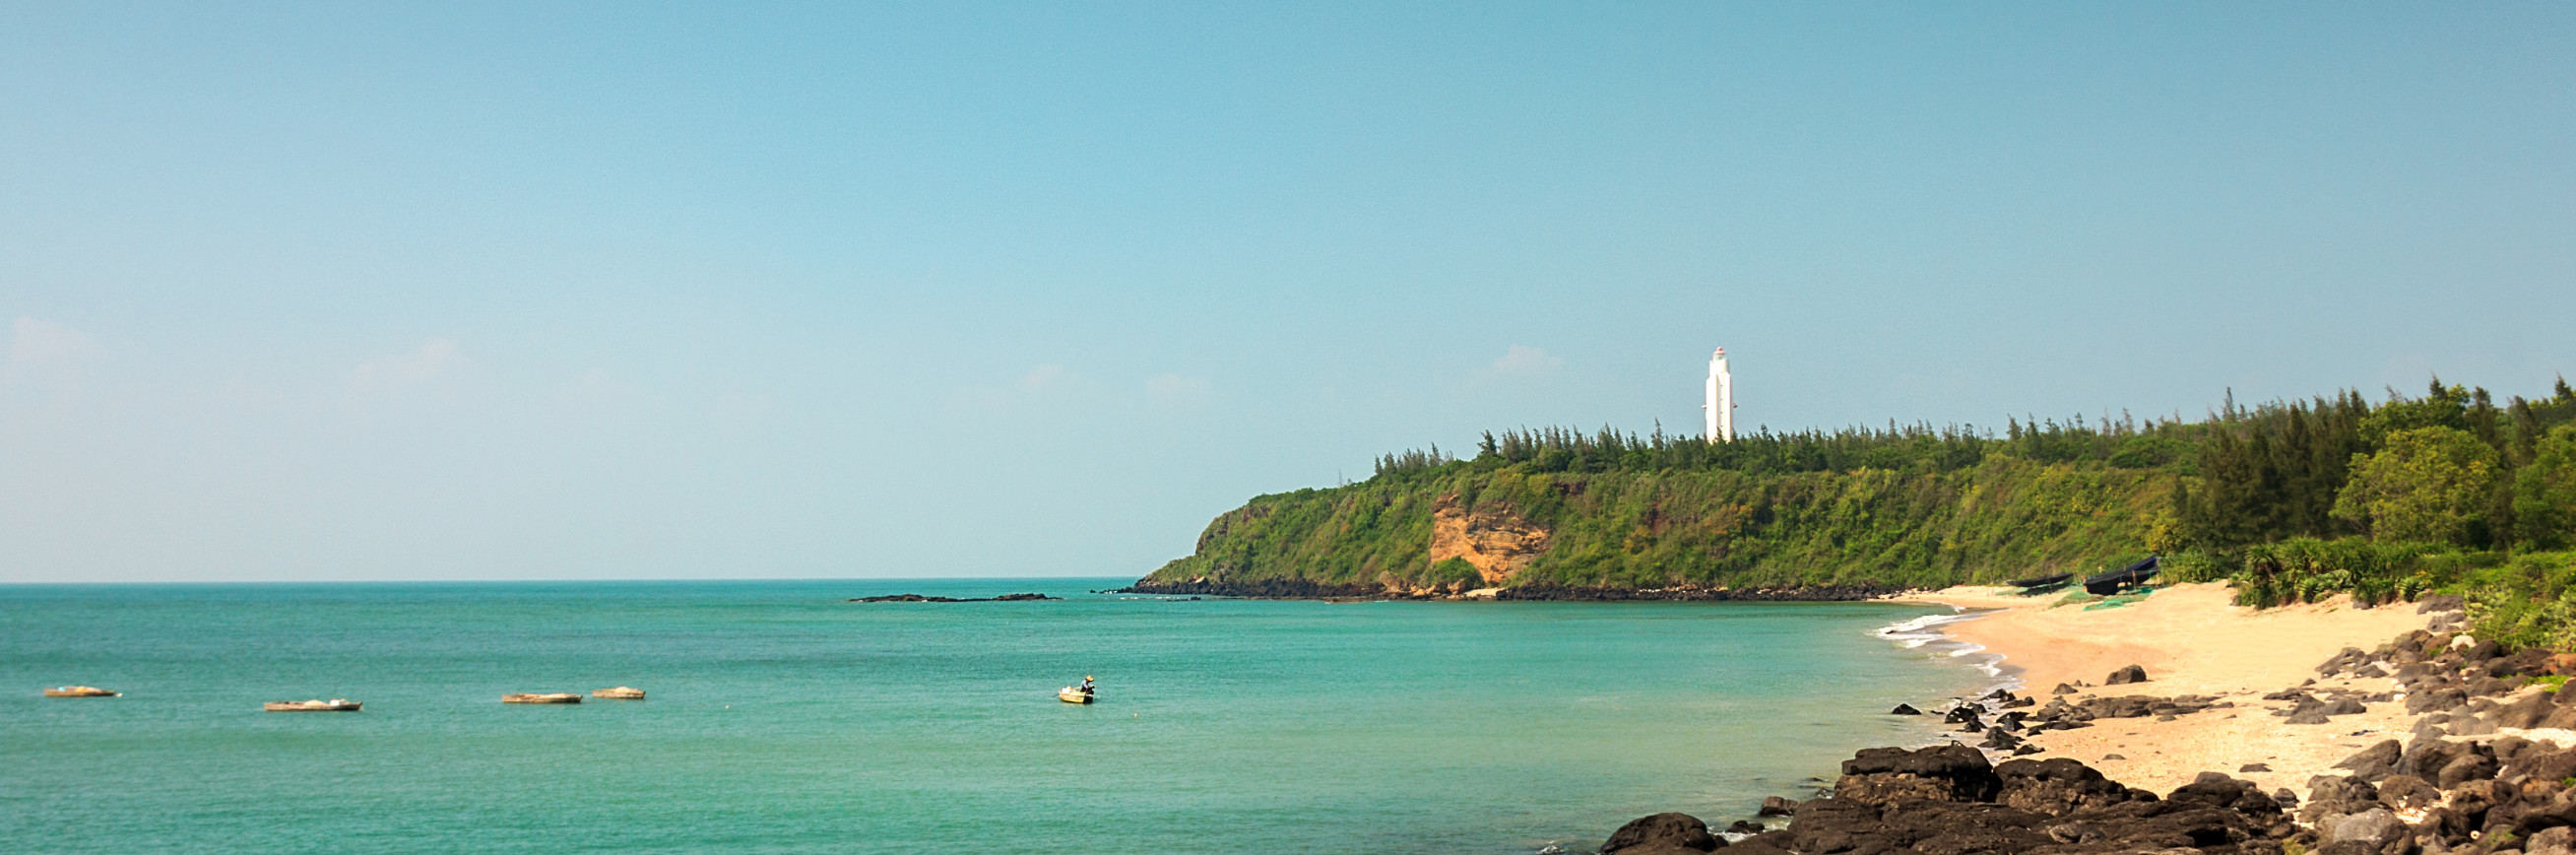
<point>2192,641</point>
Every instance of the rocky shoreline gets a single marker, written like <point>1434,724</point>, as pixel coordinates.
<point>1305,589</point>
<point>917,598</point>
<point>2488,766</point>
<point>1271,589</point>
<point>1685,593</point>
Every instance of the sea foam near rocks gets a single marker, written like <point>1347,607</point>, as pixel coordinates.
<point>1925,634</point>
<point>1916,632</point>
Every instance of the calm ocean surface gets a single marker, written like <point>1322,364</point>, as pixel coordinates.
<point>784,720</point>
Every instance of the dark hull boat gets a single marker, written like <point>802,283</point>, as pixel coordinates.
<point>2106,584</point>
<point>2042,582</point>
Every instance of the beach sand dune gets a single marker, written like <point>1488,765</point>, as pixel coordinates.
<point>2192,641</point>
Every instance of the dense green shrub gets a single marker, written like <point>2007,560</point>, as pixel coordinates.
<point>2424,484</point>
<point>2305,570</point>
<point>2196,565</point>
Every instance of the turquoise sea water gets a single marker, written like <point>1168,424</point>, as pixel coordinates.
<point>784,720</point>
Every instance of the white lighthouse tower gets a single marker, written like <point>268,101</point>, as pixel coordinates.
<point>1721,399</point>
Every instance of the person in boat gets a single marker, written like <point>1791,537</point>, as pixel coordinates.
<point>1086,685</point>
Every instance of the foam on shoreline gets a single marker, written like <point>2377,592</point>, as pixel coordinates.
<point>1928,635</point>
<point>2191,639</point>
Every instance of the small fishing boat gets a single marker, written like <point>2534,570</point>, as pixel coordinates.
<point>538,698</point>
<point>78,692</point>
<point>2106,584</point>
<point>2042,581</point>
<point>1072,695</point>
<point>621,693</point>
<point>332,705</point>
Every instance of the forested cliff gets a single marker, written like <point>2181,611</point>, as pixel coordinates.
<point>1909,506</point>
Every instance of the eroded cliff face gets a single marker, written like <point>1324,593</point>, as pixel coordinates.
<point>1495,541</point>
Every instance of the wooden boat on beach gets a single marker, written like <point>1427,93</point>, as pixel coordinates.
<point>332,705</point>
<point>2106,584</point>
<point>78,692</point>
<point>621,693</point>
<point>1072,695</point>
<point>541,698</point>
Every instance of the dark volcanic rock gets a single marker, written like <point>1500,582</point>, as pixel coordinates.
<point>1946,801</point>
<point>1662,833</point>
<point>2527,710</point>
<point>2344,662</point>
<point>2137,706</point>
<point>2426,757</point>
<point>1891,776</point>
<point>1774,842</point>
<point>2212,789</point>
<point>2125,676</point>
<point>2370,831</point>
<point>2537,765</point>
<point>1931,828</point>
<point>2332,796</point>
<point>1834,825</point>
<point>2436,700</point>
<point>2467,767</point>
<point>1283,589</point>
<point>1816,593</point>
<point>1904,709</point>
<point>1776,806</point>
<point>2374,762</point>
<point>2407,792</point>
<point>2472,801</point>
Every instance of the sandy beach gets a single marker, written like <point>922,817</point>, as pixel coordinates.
<point>2192,641</point>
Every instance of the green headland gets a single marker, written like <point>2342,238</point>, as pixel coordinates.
<point>2450,489</point>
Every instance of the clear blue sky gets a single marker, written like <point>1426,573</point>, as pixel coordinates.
<point>366,291</point>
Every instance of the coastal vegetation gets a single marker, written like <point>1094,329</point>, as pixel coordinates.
<point>2290,500</point>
